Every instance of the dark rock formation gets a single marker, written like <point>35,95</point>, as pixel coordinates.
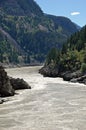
<point>6,88</point>
<point>70,75</point>
<point>9,85</point>
<point>19,84</point>
<point>3,100</point>
<point>76,76</point>
<point>81,79</point>
<point>48,71</point>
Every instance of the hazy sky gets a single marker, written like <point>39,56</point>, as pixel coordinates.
<point>73,9</point>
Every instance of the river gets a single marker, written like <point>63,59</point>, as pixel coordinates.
<point>51,104</point>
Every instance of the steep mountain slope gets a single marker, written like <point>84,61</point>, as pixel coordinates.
<point>8,50</point>
<point>33,31</point>
<point>64,25</point>
<point>70,61</point>
<point>12,41</point>
<point>20,7</point>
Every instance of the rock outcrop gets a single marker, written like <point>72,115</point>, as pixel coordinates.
<point>81,79</point>
<point>48,71</point>
<point>19,84</point>
<point>6,88</point>
<point>70,75</point>
<point>9,85</point>
<point>77,76</point>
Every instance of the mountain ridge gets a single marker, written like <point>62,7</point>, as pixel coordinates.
<point>34,32</point>
<point>20,8</point>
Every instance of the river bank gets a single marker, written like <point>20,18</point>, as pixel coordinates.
<point>77,76</point>
<point>10,65</point>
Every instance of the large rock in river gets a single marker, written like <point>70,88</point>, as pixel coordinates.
<point>49,71</point>
<point>81,79</point>
<point>9,85</point>
<point>71,75</point>
<point>19,84</point>
<point>6,88</point>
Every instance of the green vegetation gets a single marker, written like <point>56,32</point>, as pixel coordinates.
<point>7,53</point>
<point>83,68</point>
<point>53,57</point>
<point>72,57</point>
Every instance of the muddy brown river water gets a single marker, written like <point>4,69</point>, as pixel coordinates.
<point>51,104</point>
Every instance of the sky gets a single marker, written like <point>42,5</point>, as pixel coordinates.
<point>73,9</point>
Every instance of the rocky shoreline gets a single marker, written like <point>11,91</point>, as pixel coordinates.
<point>77,76</point>
<point>8,85</point>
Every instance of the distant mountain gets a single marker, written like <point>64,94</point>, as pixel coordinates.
<point>30,31</point>
<point>64,25</point>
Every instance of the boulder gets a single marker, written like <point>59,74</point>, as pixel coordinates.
<point>19,84</point>
<point>48,71</point>
<point>9,85</point>
<point>3,100</point>
<point>82,79</point>
<point>6,88</point>
<point>74,80</point>
<point>68,76</point>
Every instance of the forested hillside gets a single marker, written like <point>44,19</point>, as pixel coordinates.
<point>71,58</point>
<point>34,32</point>
<point>8,53</point>
<point>74,51</point>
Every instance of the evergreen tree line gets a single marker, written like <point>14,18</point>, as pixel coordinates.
<point>72,56</point>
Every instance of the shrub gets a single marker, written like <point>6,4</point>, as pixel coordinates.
<point>83,68</point>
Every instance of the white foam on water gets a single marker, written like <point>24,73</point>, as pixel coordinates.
<point>51,104</point>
